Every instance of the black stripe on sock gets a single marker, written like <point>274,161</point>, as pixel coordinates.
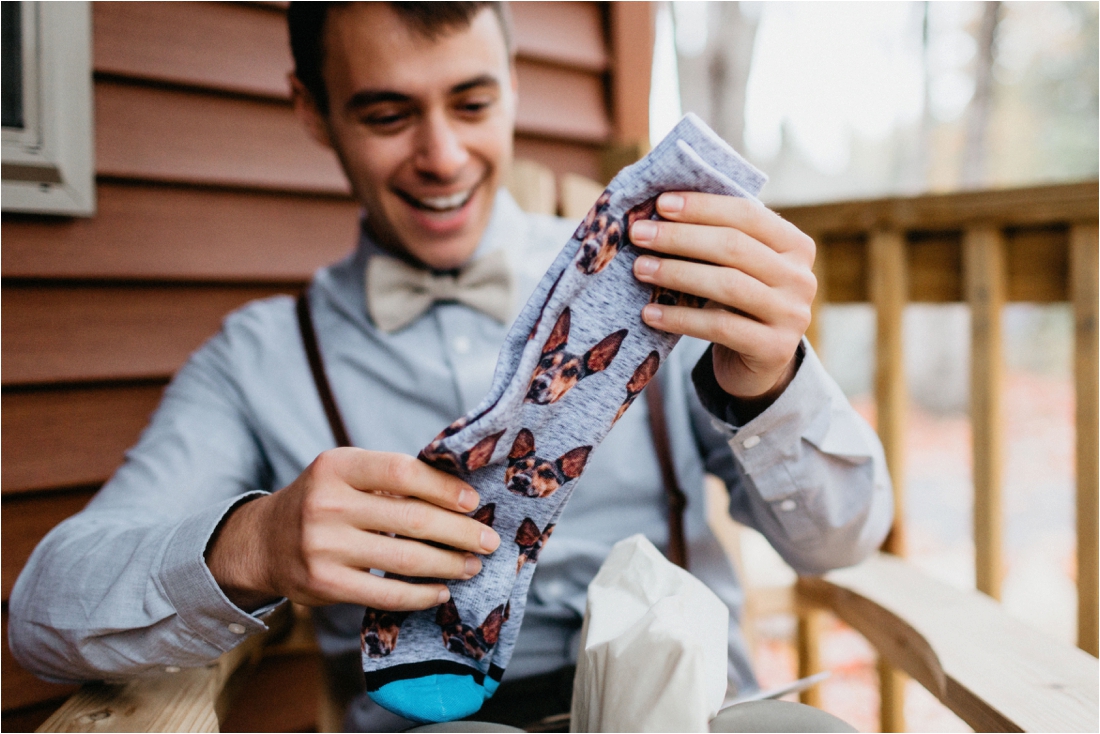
<point>496,672</point>
<point>377,678</point>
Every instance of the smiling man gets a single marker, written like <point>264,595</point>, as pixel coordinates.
<point>236,497</point>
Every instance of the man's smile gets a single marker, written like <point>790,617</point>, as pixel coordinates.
<point>440,203</point>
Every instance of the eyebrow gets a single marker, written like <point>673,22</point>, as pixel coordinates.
<point>367,97</point>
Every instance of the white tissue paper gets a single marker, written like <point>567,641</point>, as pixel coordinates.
<point>653,647</point>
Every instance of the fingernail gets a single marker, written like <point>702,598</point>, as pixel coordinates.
<point>473,565</point>
<point>646,265</point>
<point>652,314</point>
<point>643,231</point>
<point>444,595</point>
<point>489,540</point>
<point>467,499</point>
<point>670,203</point>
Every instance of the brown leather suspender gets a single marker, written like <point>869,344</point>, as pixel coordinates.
<point>320,379</point>
<point>677,500</point>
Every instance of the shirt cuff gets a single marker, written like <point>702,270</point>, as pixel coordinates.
<point>192,590</point>
<point>769,447</point>
<point>734,412</point>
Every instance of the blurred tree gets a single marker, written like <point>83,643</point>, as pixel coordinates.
<point>714,44</point>
<point>975,149</point>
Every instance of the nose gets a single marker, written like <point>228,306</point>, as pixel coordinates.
<point>441,152</point>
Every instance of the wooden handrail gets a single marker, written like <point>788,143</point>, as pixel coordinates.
<point>994,672</point>
<point>1034,205</point>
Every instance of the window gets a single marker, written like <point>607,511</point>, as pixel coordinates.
<point>48,162</point>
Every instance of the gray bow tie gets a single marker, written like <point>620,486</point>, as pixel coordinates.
<point>398,293</point>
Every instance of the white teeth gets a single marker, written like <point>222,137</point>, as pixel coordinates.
<point>443,203</point>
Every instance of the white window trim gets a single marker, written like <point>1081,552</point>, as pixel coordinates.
<point>49,166</point>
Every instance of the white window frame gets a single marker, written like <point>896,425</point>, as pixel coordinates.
<point>49,165</point>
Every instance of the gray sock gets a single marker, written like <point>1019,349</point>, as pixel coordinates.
<point>575,359</point>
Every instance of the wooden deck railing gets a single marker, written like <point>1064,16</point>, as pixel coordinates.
<point>985,249</point>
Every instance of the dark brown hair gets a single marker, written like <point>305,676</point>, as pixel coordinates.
<point>306,23</point>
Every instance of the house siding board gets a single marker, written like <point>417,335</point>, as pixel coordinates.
<point>87,429</point>
<point>209,193</point>
<point>178,233</point>
<point>71,333</point>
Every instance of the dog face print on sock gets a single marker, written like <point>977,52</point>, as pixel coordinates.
<point>662,296</point>
<point>533,476</point>
<point>601,237</point>
<point>531,541</point>
<point>467,462</point>
<point>641,377</point>
<point>558,370</point>
<point>378,635</point>
<point>473,642</point>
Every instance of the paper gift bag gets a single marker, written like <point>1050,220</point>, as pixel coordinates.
<point>653,647</point>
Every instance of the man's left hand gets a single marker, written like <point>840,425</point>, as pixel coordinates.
<point>756,270</point>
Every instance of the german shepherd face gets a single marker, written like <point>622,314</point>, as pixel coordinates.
<point>472,642</point>
<point>532,476</point>
<point>641,377</point>
<point>434,454</point>
<point>558,371</point>
<point>601,237</point>
<point>530,541</point>
<point>378,634</point>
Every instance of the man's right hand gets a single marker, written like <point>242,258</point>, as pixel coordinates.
<point>315,541</point>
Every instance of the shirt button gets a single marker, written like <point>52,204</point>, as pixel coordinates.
<point>787,505</point>
<point>172,669</point>
<point>461,344</point>
<point>237,629</point>
<point>750,442</point>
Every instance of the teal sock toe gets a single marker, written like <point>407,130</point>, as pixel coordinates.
<point>433,698</point>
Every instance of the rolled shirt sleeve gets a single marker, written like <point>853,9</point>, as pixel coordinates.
<point>808,471</point>
<point>122,588</point>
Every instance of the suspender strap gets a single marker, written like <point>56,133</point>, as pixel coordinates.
<point>317,367</point>
<point>677,500</point>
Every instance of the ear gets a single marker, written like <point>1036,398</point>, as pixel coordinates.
<point>523,445</point>
<point>305,109</point>
<point>645,372</point>
<point>490,628</point>
<point>528,532</point>
<point>447,614</point>
<point>486,514</point>
<point>482,452</point>
<point>599,357</point>
<point>615,235</point>
<point>572,462</point>
<point>559,335</point>
<point>645,210</point>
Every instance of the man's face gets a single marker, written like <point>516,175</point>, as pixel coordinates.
<point>422,127</point>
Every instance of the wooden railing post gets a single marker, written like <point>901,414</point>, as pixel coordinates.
<point>985,277</point>
<point>1083,292</point>
<point>889,292</point>
<point>810,619</point>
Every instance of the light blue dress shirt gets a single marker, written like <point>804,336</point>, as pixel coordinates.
<point>122,588</point>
